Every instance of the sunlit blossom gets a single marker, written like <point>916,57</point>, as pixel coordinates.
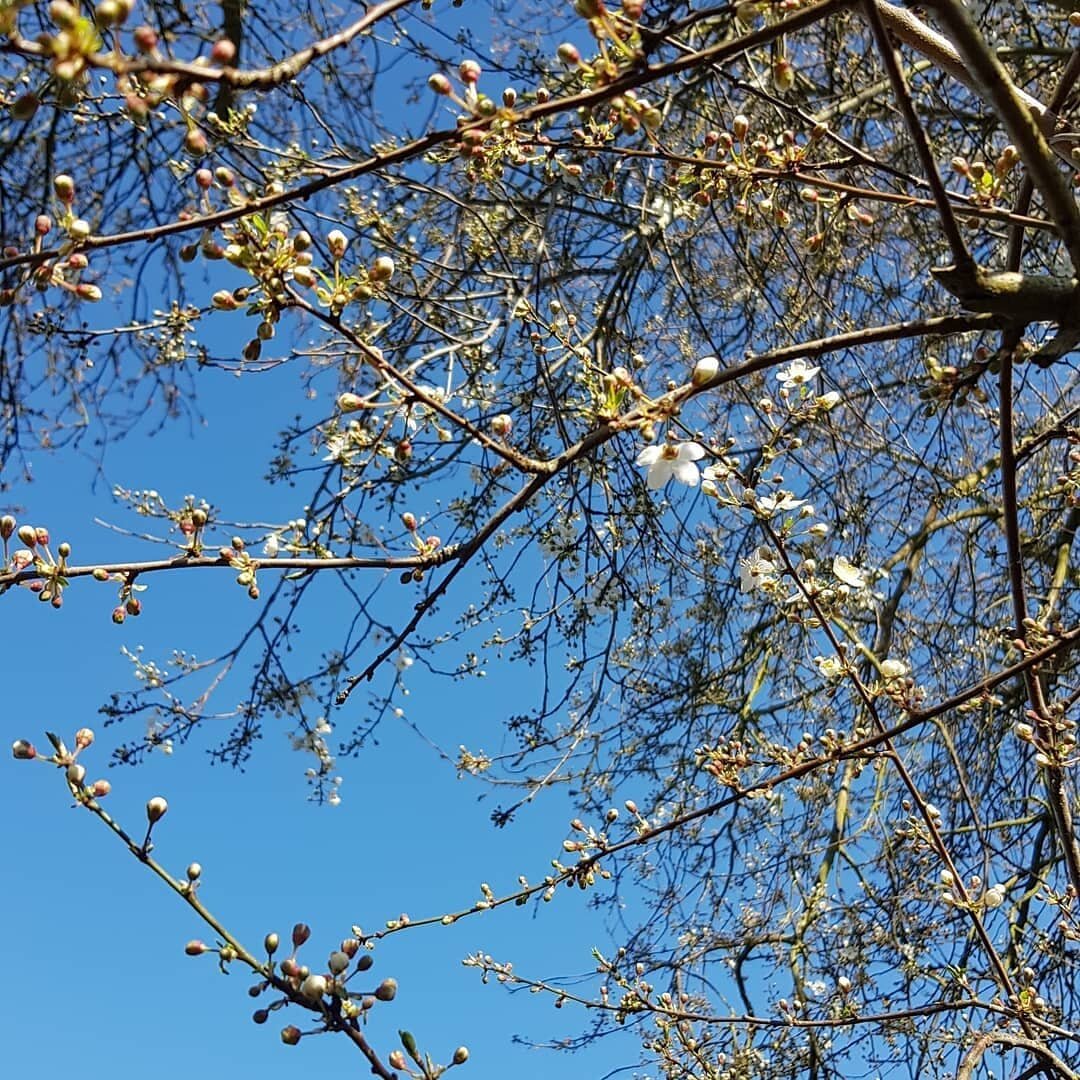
<point>778,503</point>
<point>797,373</point>
<point>756,571</point>
<point>672,460</point>
<point>893,669</point>
<point>848,573</point>
<point>831,667</point>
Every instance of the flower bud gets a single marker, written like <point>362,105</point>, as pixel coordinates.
<point>64,187</point>
<point>223,52</point>
<point>338,962</point>
<point>194,871</point>
<point>461,1055</point>
<point>196,948</point>
<point>439,83</point>
<point>23,750</point>
<point>469,70</point>
<point>386,990</point>
<point>290,1035</point>
<point>396,1060</point>
<point>156,809</point>
<point>705,370</point>
<point>100,788</point>
<point>382,269</point>
<point>27,535</point>
<point>76,774</point>
<point>300,933</point>
<point>314,987</point>
<point>270,943</point>
<point>569,54</point>
<point>85,291</point>
<point>337,243</point>
<point>740,126</point>
<point>84,737</point>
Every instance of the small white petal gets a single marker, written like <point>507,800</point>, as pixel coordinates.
<point>649,456</point>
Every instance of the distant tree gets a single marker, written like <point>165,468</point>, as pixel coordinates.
<point>730,349</point>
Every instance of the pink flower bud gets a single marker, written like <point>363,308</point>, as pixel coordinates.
<point>100,789</point>
<point>223,52</point>
<point>156,809</point>
<point>469,70</point>
<point>396,1060</point>
<point>88,292</point>
<point>84,737</point>
<point>28,535</point>
<point>439,83</point>
<point>196,948</point>
<point>23,750</point>
<point>42,224</point>
<point>502,424</point>
<point>300,933</point>
<point>409,521</point>
<point>569,54</point>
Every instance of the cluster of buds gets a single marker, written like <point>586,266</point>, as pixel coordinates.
<point>65,271</point>
<point>971,896</point>
<point>427,1068</point>
<point>77,36</point>
<point>988,182</point>
<point>66,759</point>
<point>51,581</point>
<point>239,558</point>
<point>339,289</point>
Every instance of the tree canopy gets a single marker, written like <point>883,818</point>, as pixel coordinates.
<point>713,362</point>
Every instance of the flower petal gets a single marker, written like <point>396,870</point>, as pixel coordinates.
<point>686,472</point>
<point>649,456</point>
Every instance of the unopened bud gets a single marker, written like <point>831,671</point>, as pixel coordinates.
<point>337,243</point>
<point>705,370</point>
<point>300,933</point>
<point>23,750</point>
<point>84,737</point>
<point>313,987</point>
<point>461,1055</point>
<point>386,990</point>
<point>156,809</point>
<point>290,1035</point>
<point>196,948</point>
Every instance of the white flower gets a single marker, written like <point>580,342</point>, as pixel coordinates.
<point>832,667</point>
<point>781,501</point>
<point>796,374</point>
<point>272,546</point>
<point>404,662</point>
<point>994,896</point>
<point>848,573</point>
<point>829,400</point>
<point>671,460</point>
<point>756,571</point>
<point>893,669</point>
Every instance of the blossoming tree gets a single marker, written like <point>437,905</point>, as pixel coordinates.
<point>714,360</point>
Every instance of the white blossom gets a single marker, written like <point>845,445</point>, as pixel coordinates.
<point>848,573</point>
<point>778,503</point>
<point>756,571</point>
<point>893,669</point>
<point>671,460</point>
<point>797,373</point>
<point>832,667</point>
